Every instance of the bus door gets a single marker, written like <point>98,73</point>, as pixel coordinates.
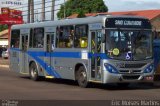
<point>95,57</point>
<point>23,60</point>
<point>49,48</point>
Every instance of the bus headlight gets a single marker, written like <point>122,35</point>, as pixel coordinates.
<point>149,69</point>
<point>110,68</point>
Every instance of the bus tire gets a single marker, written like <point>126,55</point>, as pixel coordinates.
<point>82,77</point>
<point>33,71</point>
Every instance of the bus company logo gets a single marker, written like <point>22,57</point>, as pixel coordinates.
<point>130,71</point>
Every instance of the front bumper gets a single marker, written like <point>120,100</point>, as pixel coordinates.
<point>128,78</point>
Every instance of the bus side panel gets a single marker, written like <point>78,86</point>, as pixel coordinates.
<point>33,58</point>
<point>157,57</point>
<point>65,63</point>
<point>14,60</point>
<point>66,67</point>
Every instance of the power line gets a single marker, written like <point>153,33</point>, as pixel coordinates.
<point>39,2</point>
<point>38,9</point>
<point>41,12</point>
<point>41,7</point>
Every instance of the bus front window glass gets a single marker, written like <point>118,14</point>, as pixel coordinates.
<point>128,45</point>
<point>15,37</point>
<point>81,36</point>
<point>142,45</point>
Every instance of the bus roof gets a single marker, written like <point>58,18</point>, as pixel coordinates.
<point>89,20</point>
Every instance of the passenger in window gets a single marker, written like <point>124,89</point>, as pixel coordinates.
<point>61,40</point>
<point>83,42</point>
<point>70,43</point>
<point>53,46</point>
<point>140,45</point>
<point>76,42</point>
<point>26,44</point>
<point>40,45</point>
<point>16,45</point>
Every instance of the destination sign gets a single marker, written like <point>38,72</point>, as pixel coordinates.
<point>119,22</point>
<point>125,22</point>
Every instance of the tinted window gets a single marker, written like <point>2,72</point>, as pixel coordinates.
<point>15,35</point>
<point>31,38</point>
<point>65,36</point>
<point>37,38</point>
<point>81,36</point>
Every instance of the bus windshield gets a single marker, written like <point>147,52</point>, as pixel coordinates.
<point>129,44</point>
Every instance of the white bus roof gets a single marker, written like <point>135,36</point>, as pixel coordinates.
<point>97,19</point>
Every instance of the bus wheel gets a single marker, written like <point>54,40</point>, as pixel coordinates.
<point>82,77</point>
<point>33,72</point>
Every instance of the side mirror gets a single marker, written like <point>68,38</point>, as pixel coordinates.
<point>103,38</point>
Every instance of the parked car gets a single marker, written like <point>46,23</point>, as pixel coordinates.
<point>5,54</point>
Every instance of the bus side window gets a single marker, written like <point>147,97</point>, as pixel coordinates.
<point>57,36</point>
<point>81,36</point>
<point>65,36</point>
<point>15,37</point>
<point>38,38</point>
<point>31,38</point>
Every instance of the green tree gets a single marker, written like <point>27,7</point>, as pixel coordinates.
<point>81,14</point>
<point>3,27</point>
<point>81,7</point>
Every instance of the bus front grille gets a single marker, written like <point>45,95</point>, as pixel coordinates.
<point>130,71</point>
<point>139,65</point>
<point>134,77</point>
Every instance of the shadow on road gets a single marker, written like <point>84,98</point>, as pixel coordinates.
<point>133,86</point>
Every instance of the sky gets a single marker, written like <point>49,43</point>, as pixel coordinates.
<point>113,5</point>
<point>126,5</point>
<point>129,5</point>
<point>118,5</point>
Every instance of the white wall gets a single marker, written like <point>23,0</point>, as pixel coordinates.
<point>3,42</point>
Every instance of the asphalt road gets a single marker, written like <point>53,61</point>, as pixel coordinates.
<point>4,61</point>
<point>16,87</point>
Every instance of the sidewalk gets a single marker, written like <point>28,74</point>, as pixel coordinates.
<point>4,63</point>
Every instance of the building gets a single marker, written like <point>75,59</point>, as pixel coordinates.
<point>4,38</point>
<point>152,15</point>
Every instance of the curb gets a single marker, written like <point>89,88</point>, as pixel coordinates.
<point>4,66</point>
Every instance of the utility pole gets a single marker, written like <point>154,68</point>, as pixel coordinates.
<point>52,10</point>
<point>43,10</point>
<point>29,9</point>
<point>32,11</point>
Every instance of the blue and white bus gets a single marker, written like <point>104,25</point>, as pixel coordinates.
<point>102,49</point>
